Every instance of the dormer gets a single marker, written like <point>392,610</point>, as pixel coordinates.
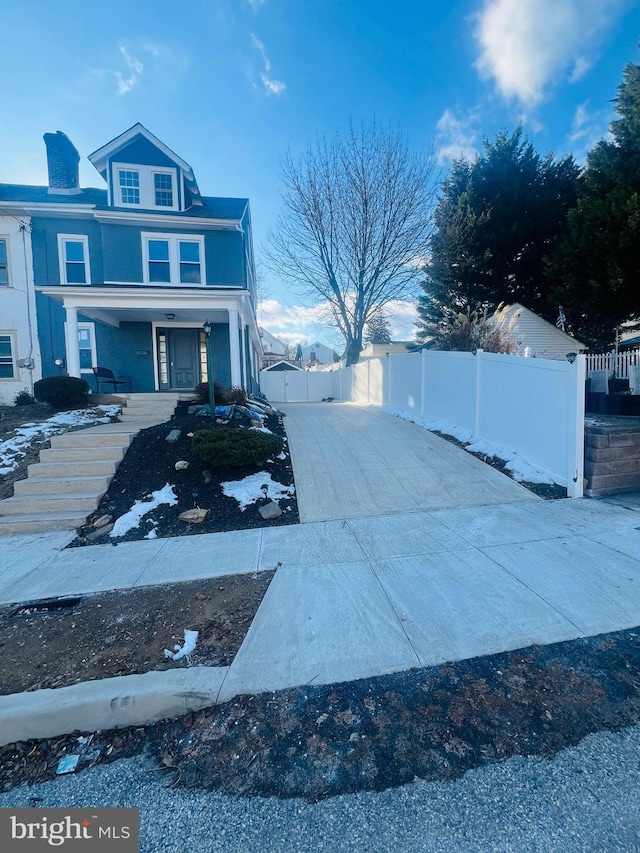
<point>143,174</point>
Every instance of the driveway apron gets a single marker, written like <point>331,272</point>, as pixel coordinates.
<point>355,461</point>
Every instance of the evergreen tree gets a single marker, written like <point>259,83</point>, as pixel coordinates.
<point>377,329</point>
<point>498,218</point>
<point>598,262</point>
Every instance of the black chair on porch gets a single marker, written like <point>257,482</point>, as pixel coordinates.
<point>105,376</point>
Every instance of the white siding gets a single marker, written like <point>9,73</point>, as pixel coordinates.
<point>529,330</point>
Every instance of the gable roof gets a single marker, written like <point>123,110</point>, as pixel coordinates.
<point>536,332</point>
<point>99,157</point>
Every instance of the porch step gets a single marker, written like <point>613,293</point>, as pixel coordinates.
<point>71,477</point>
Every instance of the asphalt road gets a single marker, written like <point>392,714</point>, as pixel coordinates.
<point>586,799</point>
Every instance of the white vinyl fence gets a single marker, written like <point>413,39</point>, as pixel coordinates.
<point>533,406</point>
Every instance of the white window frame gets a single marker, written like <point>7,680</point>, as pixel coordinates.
<point>94,352</point>
<point>10,333</point>
<point>63,239</point>
<point>147,186</point>
<point>174,241</point>
<point>4,238</point>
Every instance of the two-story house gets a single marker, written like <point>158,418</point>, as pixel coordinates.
<point>126,277</point>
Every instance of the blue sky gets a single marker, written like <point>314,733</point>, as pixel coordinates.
<point>231,84</point>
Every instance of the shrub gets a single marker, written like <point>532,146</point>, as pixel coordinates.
<point>24,398</point>
<point>62,392</point>
<point>201,393</point>
<point>236,396</point>
<point>473,330</point>
<point>230,448</point>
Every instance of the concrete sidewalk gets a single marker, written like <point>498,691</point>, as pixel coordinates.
<point>366,594</point>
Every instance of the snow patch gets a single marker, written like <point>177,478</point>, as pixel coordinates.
<point>137,512</point>
<point>190,639</point>
<point>249,490</point>
<point>519,467</point>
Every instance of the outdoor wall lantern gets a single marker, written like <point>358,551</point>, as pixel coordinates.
<point>571,357</point>
<point>206,328</point>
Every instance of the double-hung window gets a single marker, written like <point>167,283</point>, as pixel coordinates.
<point>173,259</point>
<point>4,261</point>
<point>73,250</point>
<point>146,187</point>
<point>7,356</point>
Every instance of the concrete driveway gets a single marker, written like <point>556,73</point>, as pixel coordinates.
<point>352,462</point>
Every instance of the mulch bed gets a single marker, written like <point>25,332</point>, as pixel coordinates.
<point>434,723</point>
<point>12,418</point>
<point>126,631</point>
<point>149,464</point>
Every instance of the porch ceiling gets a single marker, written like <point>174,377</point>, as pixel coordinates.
<point>182,316</point>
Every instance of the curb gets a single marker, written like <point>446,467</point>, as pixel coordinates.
<point>109,703</point>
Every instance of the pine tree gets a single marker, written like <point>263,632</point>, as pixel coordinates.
<point>377,329</point>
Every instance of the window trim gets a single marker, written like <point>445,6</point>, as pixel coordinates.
<point>13,340</point>
<point>63,239</point>
<point>146,182</point>
<point>4,238</point>
<point>174,241</point>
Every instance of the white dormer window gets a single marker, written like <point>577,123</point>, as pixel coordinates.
<point>145,187</point>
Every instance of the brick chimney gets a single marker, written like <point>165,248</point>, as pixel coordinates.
<point>62,163</point>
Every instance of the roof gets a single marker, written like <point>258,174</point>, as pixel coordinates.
<point>213,207</point>
<point>533,331</point>
<point>282,365</point>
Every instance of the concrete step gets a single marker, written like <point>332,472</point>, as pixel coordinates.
<point>72,455</point>
<point>81,502</point>
<point>37,522</point>
<point>61,486</point>
<point>89,438</point>
<point>59,470</point>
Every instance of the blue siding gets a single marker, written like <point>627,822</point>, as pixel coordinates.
<point>221,355</point>
<point>51,317</point>
<point>122,247</point>
<point>118,348</point>
<point>143,153</point>
<point>46,267</point>
<point>225,259</point>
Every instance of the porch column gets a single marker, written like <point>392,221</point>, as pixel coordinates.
<point>234,348</point>
<point>73,350</point>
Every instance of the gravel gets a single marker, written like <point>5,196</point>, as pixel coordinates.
<point>585,799</point>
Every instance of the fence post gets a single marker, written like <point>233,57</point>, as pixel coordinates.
<point>575,426</point>
<point>423,394</point>
<point>476,428</point>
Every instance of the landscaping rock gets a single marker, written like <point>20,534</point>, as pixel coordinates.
<point>193,516</point>
<point>270,511</point>
<point>173,436</point>
<point>102,521</point>
<point>193,409</point>
<point>99,532</point>
<point>181,465</point>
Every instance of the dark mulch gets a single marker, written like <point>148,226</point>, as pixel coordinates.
<point>548,491</point>
<point>377,733</point>
<point>149,464</point>
<point>126,632</point>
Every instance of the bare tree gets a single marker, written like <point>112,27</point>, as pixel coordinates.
<point>473,330</point>
<point>356,225</point>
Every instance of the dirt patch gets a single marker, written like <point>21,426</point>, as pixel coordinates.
<point>433,723</point>
<point>126,632</point>
<point>149,464</point>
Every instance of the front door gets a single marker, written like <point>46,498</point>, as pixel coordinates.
<point>183,358</point>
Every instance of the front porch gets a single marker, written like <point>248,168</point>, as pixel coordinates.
<point>158,336</point>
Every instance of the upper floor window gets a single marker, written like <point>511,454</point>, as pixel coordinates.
<point>145,187</point>
<point>173,259</point>
<point>4,261</point>
<point>73,251</point>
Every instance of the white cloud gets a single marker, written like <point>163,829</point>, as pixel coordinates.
<point>295,323</point>
<point>527,45</point>
<point>455,137</point>
<point>271,86</point>
<point>255,4</point>
<point>134,73</point>
<point>587,129</point>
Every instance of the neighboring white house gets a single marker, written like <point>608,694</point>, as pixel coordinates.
<point>317,353</point>
<point>20,364</point>
<point>533,335</point>
<point>270,343</point>
<point>393,347</point>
